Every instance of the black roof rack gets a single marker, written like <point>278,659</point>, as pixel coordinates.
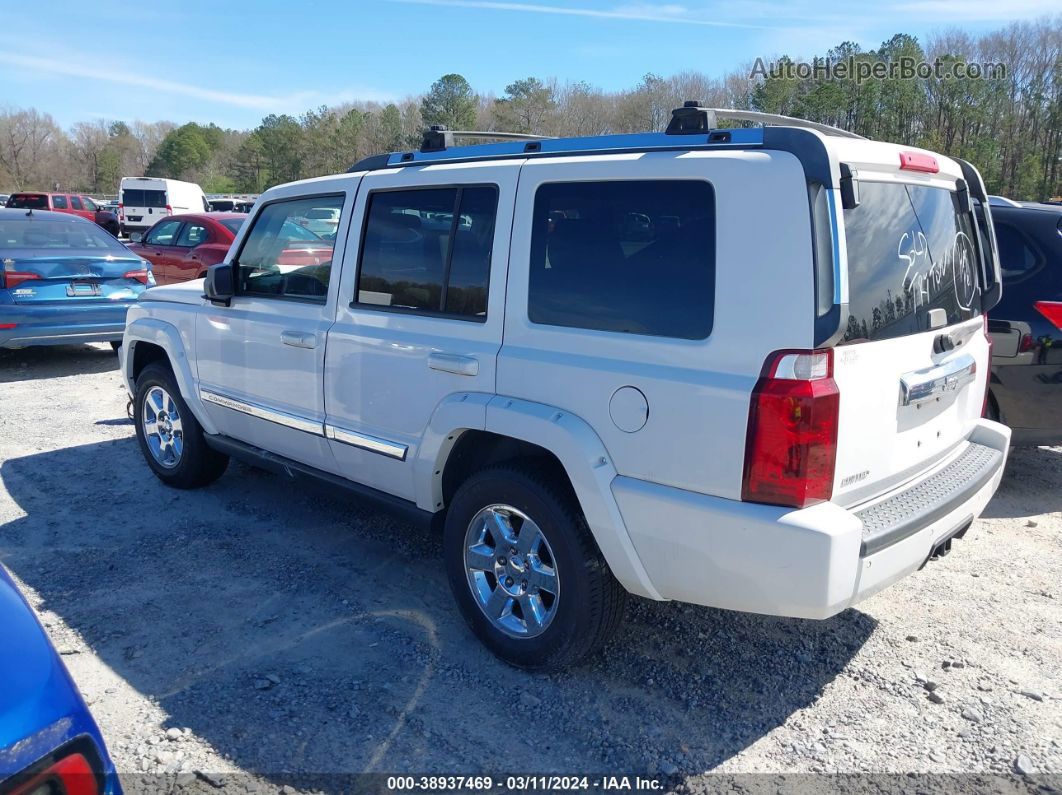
<point>437,137</point>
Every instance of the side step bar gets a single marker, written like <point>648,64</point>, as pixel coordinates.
<point>255,456</point>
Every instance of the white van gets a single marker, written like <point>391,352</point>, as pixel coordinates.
<point>742,368</point>
<point>143,200</point>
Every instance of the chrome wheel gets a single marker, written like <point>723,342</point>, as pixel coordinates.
<point>163,432</point>
<point>511,571</point>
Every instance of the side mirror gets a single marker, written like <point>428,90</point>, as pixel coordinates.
<point>218,287</point>
<point>136,237</point>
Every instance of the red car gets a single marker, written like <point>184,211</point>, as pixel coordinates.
<point>182,247</point>
<point>69,203</point>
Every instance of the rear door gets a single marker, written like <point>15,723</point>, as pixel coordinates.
<point>424,318</point>
<point>142,207</point>
<point>913,364</point>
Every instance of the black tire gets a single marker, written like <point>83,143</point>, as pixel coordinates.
<point>590,604</point>
<point>198,465</point>
<point>114,229</point>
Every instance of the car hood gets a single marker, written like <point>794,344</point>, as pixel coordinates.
<point>190,292</point>
<point>39,705</point>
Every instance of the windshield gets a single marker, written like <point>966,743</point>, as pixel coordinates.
<point>234,225</point>
<point>135,197</point>
<point>57,235</point>
<point>910,250</point>
<point>29,201</point>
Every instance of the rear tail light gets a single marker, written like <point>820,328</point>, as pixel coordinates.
<point>917,161</point>
<point>4,326</point>
<point>142,275</point>
<point>15,278</point>
<point>169,210</point>
<point>791,445</point>
<point>1052,310</point>
<point>71,775</point>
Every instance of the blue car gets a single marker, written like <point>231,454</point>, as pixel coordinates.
<point>49,742</point>
<point>64,280</point>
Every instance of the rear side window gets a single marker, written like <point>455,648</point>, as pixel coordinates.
<point>429,250</point>
<point>910,250</point>
<point>135,197</point>
<point>1016,256</point>
<point>59,203</point>
<point>75,202</point>
<point>635,257</point>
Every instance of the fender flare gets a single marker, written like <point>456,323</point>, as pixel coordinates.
<point>166,336</point>
<point>571,439</point>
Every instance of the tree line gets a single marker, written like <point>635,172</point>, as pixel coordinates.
<point>1008,124</point>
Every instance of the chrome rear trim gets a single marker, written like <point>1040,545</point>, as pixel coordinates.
<point>920,386</point>
<point>371,443</point>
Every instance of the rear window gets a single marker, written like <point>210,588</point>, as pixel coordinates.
<point>136,197</point>
<point>29,201</point>
<point>910,250</point>
<point>55,235</point>
<point>634,257</point>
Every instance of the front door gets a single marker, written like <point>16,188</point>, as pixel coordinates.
<point>423,320</point>
<point>159,247</point>
<point>261,359</point>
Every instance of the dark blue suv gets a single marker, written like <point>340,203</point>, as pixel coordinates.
<point>1025,390</point>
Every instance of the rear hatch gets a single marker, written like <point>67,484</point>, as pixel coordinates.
<point>913,364</point>
<point>143,206</point>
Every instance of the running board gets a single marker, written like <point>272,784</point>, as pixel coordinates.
<point>256,456</point>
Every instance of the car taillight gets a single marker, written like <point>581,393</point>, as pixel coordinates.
<point>791,445</point>
<point>142,275</point>
<point>917,161</point>
<point>1052,310</point>
<point>121,211</point>
<point>71,775</point>
<point>15,278</point>
<point>169,210</point>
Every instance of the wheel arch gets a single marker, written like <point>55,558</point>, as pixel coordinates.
<point>150,340</point>
<point>497,429</point>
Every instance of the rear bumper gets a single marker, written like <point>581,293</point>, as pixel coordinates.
<point>809,563</point>
<point>62,324</point>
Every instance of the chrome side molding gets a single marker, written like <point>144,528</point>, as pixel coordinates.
<point>920,386</point>
<point>263,413</point>
<point>373,444</point>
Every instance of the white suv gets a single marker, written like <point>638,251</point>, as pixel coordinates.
<point>742,368</point>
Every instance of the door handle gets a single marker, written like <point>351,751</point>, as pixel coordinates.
<point>299,339</point>
<point>453,363</point>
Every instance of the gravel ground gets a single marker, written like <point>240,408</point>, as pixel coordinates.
<point>270,628</point>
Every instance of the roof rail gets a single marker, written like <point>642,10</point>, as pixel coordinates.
<point>693,118</point>
<point>437,137</point>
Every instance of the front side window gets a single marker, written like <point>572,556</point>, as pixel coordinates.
<point>59,203</point>
<point>163,234</point>
<point>282,259</point>
<point>429,250</point>
<point>910,250</point>
<point>633,257</point>
<point>192,235</point>
<point>89,204</point>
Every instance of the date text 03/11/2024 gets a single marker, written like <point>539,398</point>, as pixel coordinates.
<point>521,783</point>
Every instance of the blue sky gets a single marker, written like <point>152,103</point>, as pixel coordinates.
<point>234,62</point>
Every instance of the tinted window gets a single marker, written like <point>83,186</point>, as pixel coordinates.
<point>909,251</point>
<point>135,197</point>
<point>163,233</point>
<point>233,226</point>
<point>280,259</point>
<point>59,203</point>
<point>635,257</point>
<point>40,234</point>
<point>1016,257</point>
<point>75,203</point>
<point>192,235</point>
<point>429,250</point>
<point>29,201</point>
